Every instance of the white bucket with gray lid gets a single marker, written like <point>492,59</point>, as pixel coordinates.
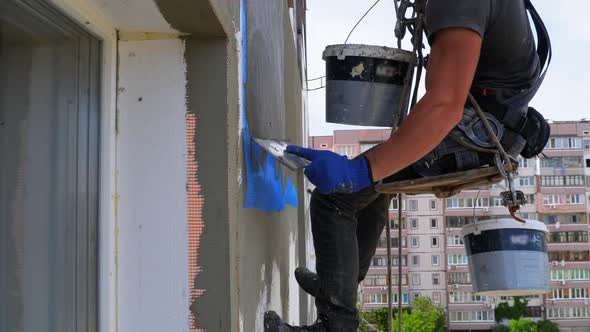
<point>507,258</point>
<point>364,84</point>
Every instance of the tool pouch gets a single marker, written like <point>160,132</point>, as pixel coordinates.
<point>536,133</point>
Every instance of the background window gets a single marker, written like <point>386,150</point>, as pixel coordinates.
<point>394,204</point>
<point>49,139</point>
<point>435,241</point>
<point>433,204</point>
<point>433,223</point>
<point>415,243</point>
<point>436,279</point>
<point>414,223</point>
<point>436,297</point>
<point>454,241</point>
<point>435,260</point>
<point>415,260</point>
<point>366,146</point>
<point>413,205</point>
<point>346,150</point>
<point>415,279</point>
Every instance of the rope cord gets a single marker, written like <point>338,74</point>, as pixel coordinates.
<point>359,21</point>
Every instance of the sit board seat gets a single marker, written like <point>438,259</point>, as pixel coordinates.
<point>443,186</point>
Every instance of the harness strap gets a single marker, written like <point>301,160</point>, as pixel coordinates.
<point>544,53</point>
<point>513,113</point>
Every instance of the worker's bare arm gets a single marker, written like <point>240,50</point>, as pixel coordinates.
<point>451,67</point>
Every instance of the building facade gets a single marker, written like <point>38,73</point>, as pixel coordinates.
<point>128,197</point>
<point>434,262</point>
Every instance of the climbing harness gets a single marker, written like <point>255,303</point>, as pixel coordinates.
<point>480,134</point>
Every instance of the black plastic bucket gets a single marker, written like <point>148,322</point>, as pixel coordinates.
<point>364,84</point>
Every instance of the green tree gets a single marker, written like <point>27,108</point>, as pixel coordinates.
<point>425,317</point>
<point>523,325</point>
<point>376,319</point>
<point>547,326</point>
<point>515,311</point>
<point>501,328</point>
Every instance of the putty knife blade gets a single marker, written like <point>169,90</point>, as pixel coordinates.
<point>278,149</point>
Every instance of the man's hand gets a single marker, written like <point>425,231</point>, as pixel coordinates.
<point>333,173</point>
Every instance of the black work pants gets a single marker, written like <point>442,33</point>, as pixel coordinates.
<point>346,229</point>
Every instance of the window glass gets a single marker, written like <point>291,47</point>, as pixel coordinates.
<point>49,114</point>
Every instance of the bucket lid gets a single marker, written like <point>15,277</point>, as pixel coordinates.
<point>503,223</point>
<point>370,51</point>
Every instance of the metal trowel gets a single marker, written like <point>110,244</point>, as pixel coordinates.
<point>278,150</point>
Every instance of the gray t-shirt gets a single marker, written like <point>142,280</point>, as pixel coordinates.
<point>508,56</point>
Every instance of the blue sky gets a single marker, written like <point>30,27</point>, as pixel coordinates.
<point>563,95</point>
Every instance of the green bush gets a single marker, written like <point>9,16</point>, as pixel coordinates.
<point>547,326</point>
<point>501,328</point>
<point>425,317</point>
<point>523,325</point>
<point>516,311</point>
<point>377,318</point>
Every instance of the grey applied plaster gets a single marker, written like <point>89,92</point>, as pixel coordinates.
<point>207,98</point>
<point>202,19</point>
<point>238,244</point>
<point>273,98</point>
<point>265,89</point>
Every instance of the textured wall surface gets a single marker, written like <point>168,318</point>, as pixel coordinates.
<point>175,234</point>
<point>152,218</point>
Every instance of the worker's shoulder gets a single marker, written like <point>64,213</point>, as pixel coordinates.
<point>478,15</point>
<point>470,14</point>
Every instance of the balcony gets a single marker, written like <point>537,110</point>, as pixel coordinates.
<point>572,227</point>
<point>382,270</point>
<point>567,302</point>
<point>470,306</point>
<point>459,288</point>
<point>560,208</point>
<point>573,246</point>
<point>562,171</point>
<point>455,250</point>
<point>382,288</point>
<point>383,251</point>
<point>458,268</point>
<point>468,212</point>
<point>570,283</point>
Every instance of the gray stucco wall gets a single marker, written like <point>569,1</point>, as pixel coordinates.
<point>246,257</point>
<point>270,243</point>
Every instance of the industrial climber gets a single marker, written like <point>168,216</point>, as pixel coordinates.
<point>485,48</point>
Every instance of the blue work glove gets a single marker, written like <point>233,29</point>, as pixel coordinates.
<point>333,173</point>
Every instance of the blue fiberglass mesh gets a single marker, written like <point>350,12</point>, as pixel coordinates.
<point>265,189</point>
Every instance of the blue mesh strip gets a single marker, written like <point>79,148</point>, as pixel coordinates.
<point>265,189</point>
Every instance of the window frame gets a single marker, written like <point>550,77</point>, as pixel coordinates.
<point>81,267</point>
<point>413,204</point>
<point>433,221</point>
<point>434,242</point>
<point>436,276</point>
<point>433,205</point>
<point>432,260</point>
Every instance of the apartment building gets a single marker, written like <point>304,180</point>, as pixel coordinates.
<point>434,262</point>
